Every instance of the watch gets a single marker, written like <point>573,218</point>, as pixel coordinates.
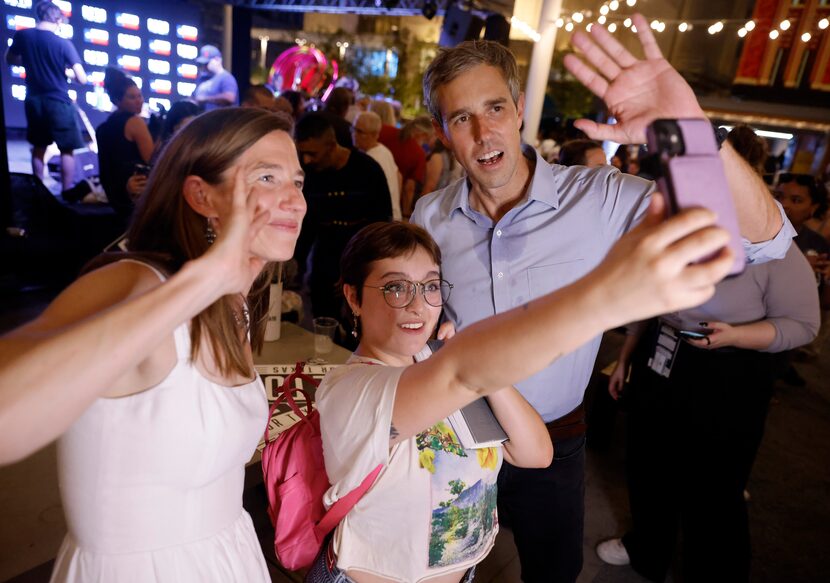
<point>720,134</point>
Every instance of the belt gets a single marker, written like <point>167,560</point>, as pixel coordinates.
<point>569,425</point>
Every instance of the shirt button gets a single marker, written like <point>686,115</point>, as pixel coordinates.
<point>500,275</point>
<point>498,233</point>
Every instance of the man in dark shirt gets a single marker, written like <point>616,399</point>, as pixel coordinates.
<point>345,190</point>
<point>337,105</point>
<point>217,87</point>
<point>50,115</point>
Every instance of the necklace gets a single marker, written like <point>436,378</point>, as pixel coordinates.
<point>244,321</point>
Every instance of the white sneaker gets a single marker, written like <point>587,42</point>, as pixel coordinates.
<point>612,551</point>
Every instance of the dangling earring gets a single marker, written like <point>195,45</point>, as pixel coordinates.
<point>210,234</point>
<point>356,324</point>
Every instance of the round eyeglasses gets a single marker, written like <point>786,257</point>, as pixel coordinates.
<point>400,293</point>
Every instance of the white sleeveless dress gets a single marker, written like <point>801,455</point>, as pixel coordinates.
<point>152,483</point>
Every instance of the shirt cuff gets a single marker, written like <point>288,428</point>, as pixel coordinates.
<point>775,248</point>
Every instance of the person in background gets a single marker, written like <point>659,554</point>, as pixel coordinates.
<point>337,105</point>
<point>742,335</point>
<point>297,100</point>
<point>431,514</point>
<point>123,142</point>
<point>518,228</point>
<point>345,190</point>
<point>161,407</point>
<point>386,112</point>
<point>365,132</point>
<point>217,87</point>
<point>50,114</point>
<point>442,168</point>
<point>406,145</point>
<point>588,153</point>
<point>181,113</point>
<point>258,96</point>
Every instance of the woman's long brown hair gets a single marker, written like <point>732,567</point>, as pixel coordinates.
<point>165,226</point>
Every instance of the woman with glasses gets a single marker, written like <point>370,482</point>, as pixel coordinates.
<point>431,513</point>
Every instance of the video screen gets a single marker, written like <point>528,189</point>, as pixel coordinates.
<point>151,40</point>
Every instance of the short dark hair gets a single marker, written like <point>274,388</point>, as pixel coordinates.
<point>313,126</point>
<point>46,11</point>
<point>453,62</point>
<point>573,153</point>
<point>339,101</point>
<point>382,241</point>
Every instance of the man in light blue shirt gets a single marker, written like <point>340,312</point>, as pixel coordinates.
<point>517,228</point>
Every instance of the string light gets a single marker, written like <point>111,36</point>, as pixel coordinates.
<point>683,26</point>
<point>823,23</point>
<point>569,27</point>
<point>613,5</point>
<point>742,32</point>
<point>589,27</point>
<point>612,28</point>
<point>577,17</point>
<point>785,25</point>
<point>750,26</point>
<point>716,28</point>
<point>655,24</point>
<point>526,29</point>
<point>773,34</point>
<point>633,28</point>
<point>627,22</point>
<point>603,9</point>
<point>631,2</point>
<point>805,38</point>
<point>601,19</point>
<point>560,22</point>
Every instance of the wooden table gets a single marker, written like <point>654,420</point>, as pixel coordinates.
<point>295,344</point>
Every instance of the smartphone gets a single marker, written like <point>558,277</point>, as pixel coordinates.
<point>690,173</point>
<point>695,334</point>
<point>142,169</point>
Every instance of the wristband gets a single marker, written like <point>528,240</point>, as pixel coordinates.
<point>720,134</point>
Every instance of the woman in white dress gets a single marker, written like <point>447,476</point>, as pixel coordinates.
<point>158,406</point>
<point>431,513</point>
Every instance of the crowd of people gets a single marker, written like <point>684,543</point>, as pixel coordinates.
<point>524,256</point>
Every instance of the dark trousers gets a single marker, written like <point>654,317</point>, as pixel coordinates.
<point>546,509</point>
<point>690,446</point>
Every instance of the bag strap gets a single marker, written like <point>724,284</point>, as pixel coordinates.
<point>285,394</point>
<point>342,507</point>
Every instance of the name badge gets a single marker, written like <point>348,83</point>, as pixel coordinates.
<point>665,350</point>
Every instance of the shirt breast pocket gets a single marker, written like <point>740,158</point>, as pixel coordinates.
<point>544,279</point>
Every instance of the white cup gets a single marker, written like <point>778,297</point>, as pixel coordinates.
<point>272,326</point>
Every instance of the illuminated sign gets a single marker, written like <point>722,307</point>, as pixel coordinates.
<point>130,42</point>
<point>99,100</point>
<point>138,81</point>
<point>124,20</point>
<point>158,67</point>
<point>160,47</point>
<point>65,31</point>
<point>188,71</point>
<point>96,58</point>
<point>160,27</point>
<point>162,86</point>
<point>187,51</point>
<point>187,32</point>
<point>19,22</point>
<point>129,62</point>
<point>93,14</point>
<point>19,92</point>
<point>95,78</point>
<point>185,89</point>
<point>25,4</point>
<point>19,71</point>
<point>158,103</point>
<point>97,36</point>
<point>66,7</point>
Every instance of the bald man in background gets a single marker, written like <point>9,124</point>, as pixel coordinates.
<point>365,133</point>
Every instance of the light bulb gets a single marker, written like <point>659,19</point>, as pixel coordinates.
<point>742,32</point>
<point>805,38</point>
<point>750,26</point>
<point>612,27</point>
<point>627,22</point>
<point>785,25</point>
<point>683,27</point>
<point>773,34</point>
